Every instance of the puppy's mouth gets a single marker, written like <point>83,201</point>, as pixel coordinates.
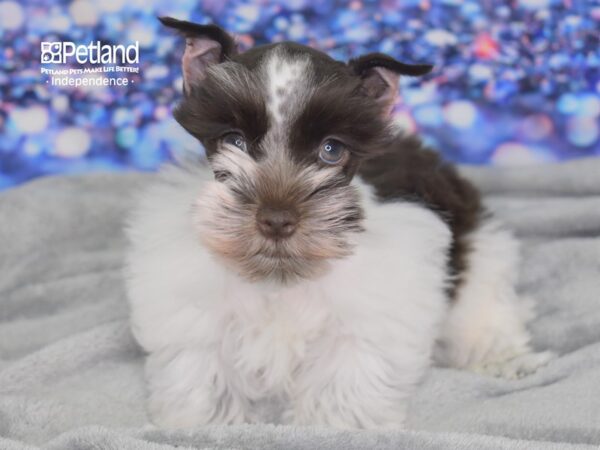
<point>268,255</point>
<point>276,252</point>
<point>288,260</point>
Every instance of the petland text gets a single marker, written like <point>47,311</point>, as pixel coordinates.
<point>93,53</point>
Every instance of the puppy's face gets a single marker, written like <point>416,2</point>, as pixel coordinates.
<point>285,128</point>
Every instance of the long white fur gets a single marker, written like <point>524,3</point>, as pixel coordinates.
<point>344,349</point>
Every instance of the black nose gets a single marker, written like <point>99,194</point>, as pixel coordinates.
<point>276,223</point>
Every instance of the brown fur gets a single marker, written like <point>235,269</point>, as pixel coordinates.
<point>410,171</point>
<point>214,107</point>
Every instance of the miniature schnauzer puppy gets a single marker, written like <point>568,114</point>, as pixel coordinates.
<point>318,258</point>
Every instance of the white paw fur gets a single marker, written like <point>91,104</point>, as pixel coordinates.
<point>515,367</point>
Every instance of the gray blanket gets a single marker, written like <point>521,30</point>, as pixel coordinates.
<point>71,375</point>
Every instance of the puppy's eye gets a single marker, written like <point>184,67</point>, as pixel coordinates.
<point>222,175</point>
<point>333,152</point>
<point>235,139</point>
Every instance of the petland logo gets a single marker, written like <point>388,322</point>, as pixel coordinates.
<point>112,62</point>
<point>94,53</point>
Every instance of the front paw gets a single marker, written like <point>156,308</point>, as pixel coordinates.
<point>514,367</point>
<point>178,413</point>
<point>186,394</point>
<point>347,410</point>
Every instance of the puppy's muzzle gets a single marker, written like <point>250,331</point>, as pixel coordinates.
<point>276,223</point>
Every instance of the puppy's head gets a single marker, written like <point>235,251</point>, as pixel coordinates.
<point>285,128</point>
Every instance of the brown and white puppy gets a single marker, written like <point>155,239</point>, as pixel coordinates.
<point>319,257</point>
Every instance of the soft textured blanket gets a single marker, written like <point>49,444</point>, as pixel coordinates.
<point>71,375</point>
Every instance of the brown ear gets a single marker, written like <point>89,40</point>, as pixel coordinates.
<point>205,45</point>
<point>380,74</point>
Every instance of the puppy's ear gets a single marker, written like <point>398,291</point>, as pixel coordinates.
<point>205,45</point>
<point>380,74</point>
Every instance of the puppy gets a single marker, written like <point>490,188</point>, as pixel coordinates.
<point>319,260</point>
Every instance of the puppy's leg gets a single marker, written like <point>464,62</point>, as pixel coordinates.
<point>485,328</point>
<point>189,387</point>
<point>356,384</point>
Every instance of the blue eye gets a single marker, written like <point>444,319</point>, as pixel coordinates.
<point>235,139</point>
<point>333,152</point>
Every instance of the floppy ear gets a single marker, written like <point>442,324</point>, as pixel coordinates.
<point>205,45</point>
<point>380,74</point>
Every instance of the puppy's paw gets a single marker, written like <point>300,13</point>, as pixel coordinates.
<point>514,367</point>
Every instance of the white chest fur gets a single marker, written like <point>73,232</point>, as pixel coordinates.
<point>379,309</point>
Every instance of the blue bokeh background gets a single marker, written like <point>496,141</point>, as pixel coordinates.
<point>516,82</point>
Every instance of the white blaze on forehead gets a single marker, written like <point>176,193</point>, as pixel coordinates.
<point>286,80</point>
